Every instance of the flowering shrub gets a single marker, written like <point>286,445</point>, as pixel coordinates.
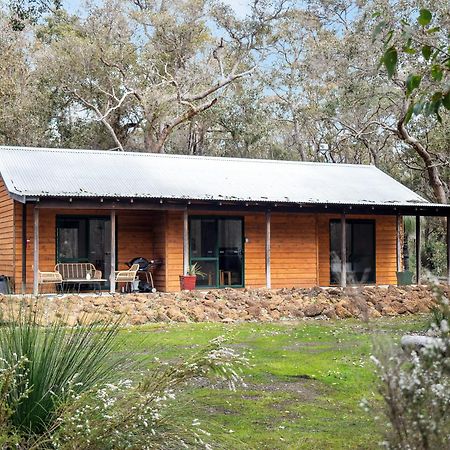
<point>416,390</point>
<point>58,390</point>
<point>40,364</point>
<point>145,414</point>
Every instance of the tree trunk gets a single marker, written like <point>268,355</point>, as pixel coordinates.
<point>299,141</point>
<point>432,170</point>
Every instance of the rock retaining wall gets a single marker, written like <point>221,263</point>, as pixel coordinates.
<point>230,305</point>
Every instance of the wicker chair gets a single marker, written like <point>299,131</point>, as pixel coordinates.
<point>50,278</point>
<point>127,276</point>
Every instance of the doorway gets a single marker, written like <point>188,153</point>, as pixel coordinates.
<point>84,239</point>
<point>360,251</point>
<point>217,247</point>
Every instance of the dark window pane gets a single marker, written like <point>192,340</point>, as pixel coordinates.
<point>209,268</point>
<point>230,252</point>
<point>67,244</point>
<point>203,236</point>
<point>363,252</point>
<point>360,242</point>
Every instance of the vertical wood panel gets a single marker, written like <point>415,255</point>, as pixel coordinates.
<point>174,250</point>
<point>6,233</point>
<point>293,250</point>
<point>36,252</point>
<point>268,273</point>
<point>254,251</point>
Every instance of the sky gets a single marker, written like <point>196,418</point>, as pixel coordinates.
<point>240,6</point>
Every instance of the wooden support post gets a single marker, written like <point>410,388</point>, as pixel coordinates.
<point>36,252</point>
<point>185,242</point>
<point>112,276</point>
<point>418,260</point>
<point>268,275</point>
<point>399,243</point>
<point>343,251</point>
<point>24,248</point>
<point>448,250</point>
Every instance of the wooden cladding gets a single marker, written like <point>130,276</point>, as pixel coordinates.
<point>7,232</point>
<point>300,244</point>
<point>294,255</point>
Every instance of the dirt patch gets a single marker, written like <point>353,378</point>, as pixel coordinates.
<point>232,305</point>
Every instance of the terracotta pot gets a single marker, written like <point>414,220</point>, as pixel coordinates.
<point>187,282</point>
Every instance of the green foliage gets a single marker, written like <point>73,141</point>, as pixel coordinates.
<point>390,59</point>
<point>425,17</point>
<point>54,361</point>
<point>24,11</point>
<point>412,82</point>
<point>428,42</point>
<point>303,386</point>
<point>415,386</point>
<point>148,413</point>
<point>195,270</point>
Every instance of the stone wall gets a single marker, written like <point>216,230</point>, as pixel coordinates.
<point>230,305</point>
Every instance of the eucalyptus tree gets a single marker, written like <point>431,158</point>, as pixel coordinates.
<point>24,108</point>
<point>373,106</point>
<point>145,68</point>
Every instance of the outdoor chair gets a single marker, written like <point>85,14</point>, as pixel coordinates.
<point>77,274</point>
<point>45,278</point>
<point>127,276</point>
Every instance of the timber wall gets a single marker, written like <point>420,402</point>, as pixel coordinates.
<point>300,244</point>
<point>7,231</point>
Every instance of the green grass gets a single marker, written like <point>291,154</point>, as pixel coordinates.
<point>304,384</point>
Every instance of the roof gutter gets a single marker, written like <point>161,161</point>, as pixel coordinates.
<point>23,198</point>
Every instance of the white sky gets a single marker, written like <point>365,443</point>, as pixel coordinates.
<point>240,6</point>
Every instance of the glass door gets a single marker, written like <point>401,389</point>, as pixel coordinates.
<point>360,251</point>
<point>203,250</point>
<point>216,246</point>
<point>84,239</point>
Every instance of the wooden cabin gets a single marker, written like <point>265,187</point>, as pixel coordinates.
<point>247,223</point>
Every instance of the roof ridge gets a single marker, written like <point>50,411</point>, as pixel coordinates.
<point>179,156</point>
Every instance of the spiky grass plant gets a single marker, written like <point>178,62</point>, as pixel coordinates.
<point>51,362</point>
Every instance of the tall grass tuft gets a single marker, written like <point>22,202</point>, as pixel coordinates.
<point>51,362</point>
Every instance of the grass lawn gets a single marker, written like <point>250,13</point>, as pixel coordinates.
<point>303,387</point>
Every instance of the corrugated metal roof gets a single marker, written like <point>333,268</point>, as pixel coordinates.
<point>39,172</point>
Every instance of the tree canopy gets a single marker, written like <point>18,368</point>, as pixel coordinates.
<point>358,82</point>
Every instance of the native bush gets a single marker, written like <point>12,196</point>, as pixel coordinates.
<point>415,388</point>
<point>60,387</point>
<point>149,413</point>
<point>49,361</point>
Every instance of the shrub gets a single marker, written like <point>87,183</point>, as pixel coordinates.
<point>149,413</point>
<point>58,389</point>
<point>46,362</point>
<point>416,390</point>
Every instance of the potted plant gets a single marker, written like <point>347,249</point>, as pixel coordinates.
<point>188,281</point>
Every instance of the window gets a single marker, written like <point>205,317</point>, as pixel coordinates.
<point>360,249</point>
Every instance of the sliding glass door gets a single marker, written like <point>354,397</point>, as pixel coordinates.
<point>84,239</point>
<point>360,249</point>
<point>216,246</point>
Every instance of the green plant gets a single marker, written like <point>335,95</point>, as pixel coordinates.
<point>195,270</point>
<point>415,387</point>
<point>147,413</point>
<point>56,361</point>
